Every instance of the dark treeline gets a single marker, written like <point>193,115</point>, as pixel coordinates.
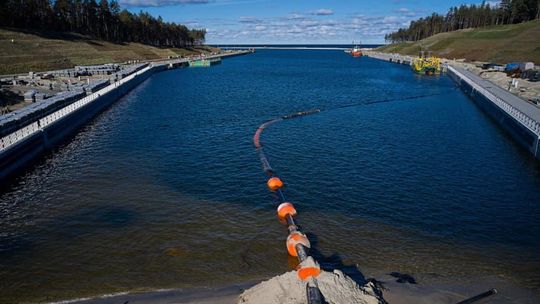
<point>468,16</point>
<point>103,20</point>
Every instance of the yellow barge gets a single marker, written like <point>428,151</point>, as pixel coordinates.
<point>426,64</point>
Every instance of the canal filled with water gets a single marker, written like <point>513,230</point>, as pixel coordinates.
<point>398,172</point>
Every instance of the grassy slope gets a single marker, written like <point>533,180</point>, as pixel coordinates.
<point>501,44</point>
<point>41,51</point>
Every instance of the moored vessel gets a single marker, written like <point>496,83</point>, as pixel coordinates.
<point>426,64</point>
<point>355,51</point>
<point>204,62</point>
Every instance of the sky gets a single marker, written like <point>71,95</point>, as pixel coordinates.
<point>293,21</point>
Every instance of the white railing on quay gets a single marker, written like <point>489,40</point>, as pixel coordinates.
<point>38,125</point>
<point>524,119</point>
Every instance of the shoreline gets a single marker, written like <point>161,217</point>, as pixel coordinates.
<point>219,295</point>
<point>395,289</point>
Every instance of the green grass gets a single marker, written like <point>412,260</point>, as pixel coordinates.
<point>501,44</point>
<point>43,50</point>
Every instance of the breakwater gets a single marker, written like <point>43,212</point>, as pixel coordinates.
<point>396,58</point>
<point>516,116</point>
<point>25,137</point>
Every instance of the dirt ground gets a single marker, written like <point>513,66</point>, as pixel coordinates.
<point>527,90</point>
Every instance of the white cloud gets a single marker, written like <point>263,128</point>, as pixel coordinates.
<point>493,3</point>
<point>390,19</point>
<point>189,22</point>
<point>295,16</point>
<point>323,12</point>
<point>403,11</point>
<point>297,27</point>
<point>249,20</point>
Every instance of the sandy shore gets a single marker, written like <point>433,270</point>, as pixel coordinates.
<point>395,288</point>
<point>222,295</point>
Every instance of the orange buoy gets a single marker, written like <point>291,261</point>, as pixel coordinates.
<point>306,272</point>
<point>308,268</point>
<point>284,209</point>
<point>274,183</point>
<point>295,238</point>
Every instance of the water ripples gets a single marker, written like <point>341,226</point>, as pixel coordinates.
<point>164,189</point>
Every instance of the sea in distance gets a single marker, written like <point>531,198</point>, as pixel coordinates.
<point>398,172</point>
<point>307,46</point>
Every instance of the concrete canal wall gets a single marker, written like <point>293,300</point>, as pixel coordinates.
<point>518,117</point>
<point>396,58</point>
<point>21,147</point>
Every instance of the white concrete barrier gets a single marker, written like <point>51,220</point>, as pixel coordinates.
<point>521,117</point>
<point>37,126</point>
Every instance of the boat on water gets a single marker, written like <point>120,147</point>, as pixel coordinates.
<point>426,64</point>
<point>204,62</point>
<point>355,51</point>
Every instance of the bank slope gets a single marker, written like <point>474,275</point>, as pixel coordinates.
<point>501,44</point>
<point>22,51</point>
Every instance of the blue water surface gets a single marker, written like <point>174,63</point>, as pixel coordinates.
<point>399,167</point>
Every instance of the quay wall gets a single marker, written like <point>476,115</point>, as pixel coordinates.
<point>396,58</point>
<point>22,147</point>
<point>523,127</point>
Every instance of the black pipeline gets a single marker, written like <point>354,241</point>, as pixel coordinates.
<point>297,243</point>
<point>479,297</point>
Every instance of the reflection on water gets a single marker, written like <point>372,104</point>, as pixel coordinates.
<point>165,190</point>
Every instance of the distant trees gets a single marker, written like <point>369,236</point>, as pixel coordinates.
<point>102,20</point>
<point>468,16</point>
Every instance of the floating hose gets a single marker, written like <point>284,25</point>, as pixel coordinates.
<point>297,243</point>
<point>387,100</point>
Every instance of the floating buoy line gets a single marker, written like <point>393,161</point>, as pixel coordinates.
<point>297,243</point>
<point>256,139</point>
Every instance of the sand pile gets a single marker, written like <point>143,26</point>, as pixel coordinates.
<point>336,287</point>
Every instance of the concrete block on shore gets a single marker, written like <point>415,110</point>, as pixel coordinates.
<point>30,96</point>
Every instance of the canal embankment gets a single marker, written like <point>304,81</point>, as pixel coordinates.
<point>29,132</point>
<point>521,119</point>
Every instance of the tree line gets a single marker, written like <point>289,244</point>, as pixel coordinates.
<point>103,20</point>
<point>468,16</point>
